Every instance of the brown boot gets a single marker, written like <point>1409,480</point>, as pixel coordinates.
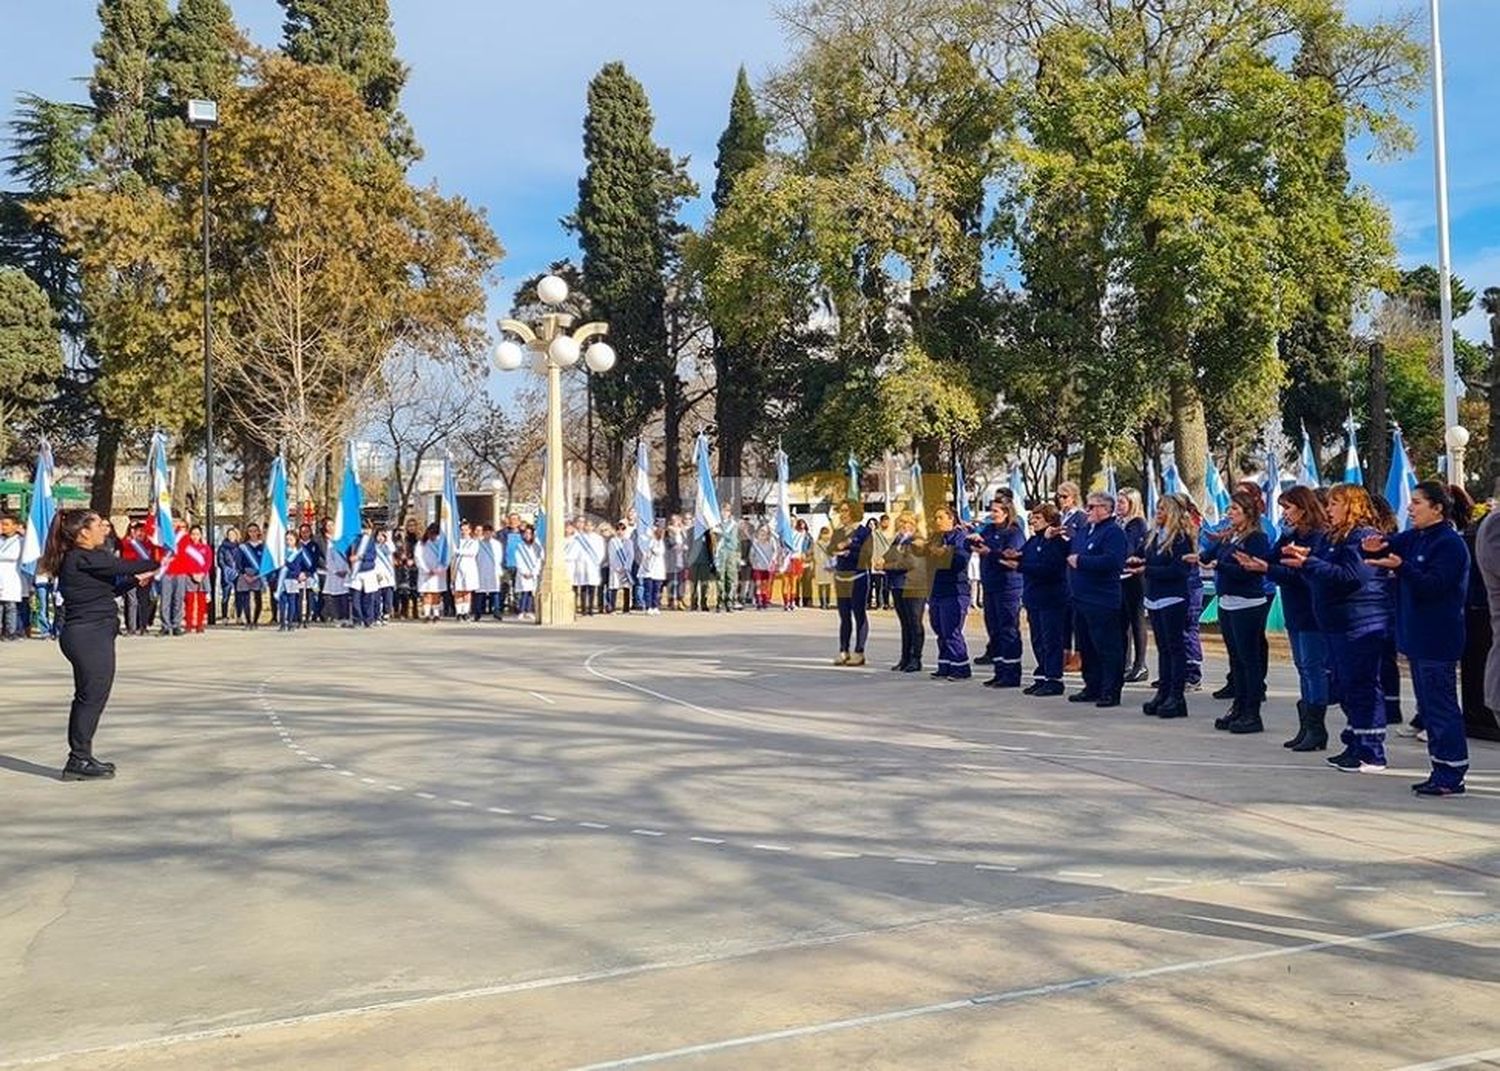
<point>1072,662</point>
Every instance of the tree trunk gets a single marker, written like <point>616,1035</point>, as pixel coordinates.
<point>1377,458</point>
<point>1060,458</point>
<point>106,457</point>
<point>731,445</point>
<point>1091,464</point>
<point>184,502</point>
<point>614,473</point>
<point>1190,436</point>
<point>672,449</point>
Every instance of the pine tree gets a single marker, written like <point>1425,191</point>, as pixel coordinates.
<point>126,88</point>
<point>625,201</point>
<point>737,378</point>
<point>30,353</point>
<point>356,37</point>
<point>198,53</point>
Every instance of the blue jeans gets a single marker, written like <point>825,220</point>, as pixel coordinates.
<point>1434,683</point>
<point>1310,655</point>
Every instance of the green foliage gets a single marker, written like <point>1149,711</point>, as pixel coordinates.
<point>742,146</point>
<point>30,352</point>
<point>198,52</point>
<point>355,37</point>
<point>126,88</point>
<point>1421,289</point>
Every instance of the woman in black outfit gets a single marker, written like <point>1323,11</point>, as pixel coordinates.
<point>88,577</point>
<point>1131,515</point>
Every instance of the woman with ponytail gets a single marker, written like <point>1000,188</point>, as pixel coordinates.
<point>88,577</point>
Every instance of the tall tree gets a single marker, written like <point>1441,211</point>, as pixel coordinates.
<point>126,88</point>
<point>1490,302</point>
<point>627,200</point>
<point>357,38</point>
<point>198,53</point>
<point>30,352</point>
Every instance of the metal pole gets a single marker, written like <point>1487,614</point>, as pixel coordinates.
<point>556,601</point>
<point>1445,265</point>
<point>588,457</point>
<point>208,395</point>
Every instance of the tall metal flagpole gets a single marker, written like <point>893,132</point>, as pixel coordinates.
<point>1445,265</point>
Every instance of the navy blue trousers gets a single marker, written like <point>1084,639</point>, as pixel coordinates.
<point>1096,631</point>
<point>947,614</point>
<point>1002,625</point>
<point>1434,683</point>
<point>1356,667</point>
<point>1169,627</point>
<point>1046,627</point>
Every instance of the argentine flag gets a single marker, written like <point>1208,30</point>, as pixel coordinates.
<point>1399,484</point>
<point>1309,476</point>
<point>273,557</point>
<point>1152,496</point>
<point>1017,488</point>
<point>346,519</point>
<point>1273,492</point>
<point>161,495</point>
<point>852,467</point>
<point>961,493</point>
<point>1353,472</point>
<point>1218,495</point>
<point>43,509</point>
<point>645,513</point>
<point>784,530</point>
<point>918,496</point>
<point>706,503</point>
<point>1111,482</point>
<point>448,512</point>
<point>1171,482</point>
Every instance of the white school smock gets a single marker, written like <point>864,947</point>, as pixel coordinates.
<point>432,577</point>
<point>594,559</point>
<point>621,559</point>
<point>385,567</point>
<point>466,565</point>
<point>654,562</point>
<point>488,560</point>
<point>10,568</point>
<point>763,556</point>
<point>528,566</point>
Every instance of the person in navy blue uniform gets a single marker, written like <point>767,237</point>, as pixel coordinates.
<point>1074,518</point>
<point>1042,562</point>
<point>906,579</point>
<point>1390,670</point>
<point>1166,559</point>
<point>851,583</point>
<point>1304,521</point>
<point>1431,565</point>
<point>1243,606</point>
<point>1095,563</point>
<point>1349,603</point>
<point>1132,517</point>
<point>948,606</point>
<point>1001,583</point>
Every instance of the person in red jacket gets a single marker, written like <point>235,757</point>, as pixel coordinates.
<point>174,584</point>
<point>197,558</point>
<point>138,599</point>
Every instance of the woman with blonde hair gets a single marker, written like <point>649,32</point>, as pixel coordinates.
<point>906,576</point>
<point>1132,517</point>
<point>1349,602</point>
<point>1165,561</point>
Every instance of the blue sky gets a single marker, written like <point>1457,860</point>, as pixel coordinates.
<point>497,87</point>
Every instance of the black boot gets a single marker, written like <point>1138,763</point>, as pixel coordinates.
<point>87,770</point>
<point>1315,738</point>
<point>1223,721</point>
<point>1226,692</point>
<point>1174,707</point>
<point>1152,706</point>
<point>1247,721</point>
<point>1301,725</point>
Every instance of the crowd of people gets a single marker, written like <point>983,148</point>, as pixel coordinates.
<point>1092,574</point>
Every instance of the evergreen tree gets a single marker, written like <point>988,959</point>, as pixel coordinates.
<point>126,88</point>
<point>626,199</point>
<point>356,37</point>
<point>738,387</point>
<point>30,353</point>
<point>198,53</point>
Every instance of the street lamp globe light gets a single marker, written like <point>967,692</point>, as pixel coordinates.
<point>563,351</point>
<point>600,357</point>
<point>552,290</point>
<point>509,356</point>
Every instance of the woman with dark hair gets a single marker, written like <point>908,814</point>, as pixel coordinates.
<point>1165,561</point>
<point>89,577</point>
<point>432,574</point>
<point>1431,567</point>
<point>1002,593</point>
<point>851,582</point>
<point>1243,607</point>
<point>948,605</point>
<point>1304,522</point>
<point>1349,602</point>
<point>1043,564</point>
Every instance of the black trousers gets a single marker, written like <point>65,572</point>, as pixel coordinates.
<point>1096,630</point>
<point>90,647</point>
<point>909,610</point>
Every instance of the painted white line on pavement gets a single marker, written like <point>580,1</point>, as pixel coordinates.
<point>1078,874</point>
<point>996,866</point>
<point>367,780</point>
<point>499,810</point>
<point>915,862</point>
<point>346,773</point>
<point>461,803</point>
<point>543,698</point>
<point>1360,888</point>
<point>770,847</point>
<point>1170,881</point>
<point>1010,996</point>
<point>594,825</point>
<point>648,833</point>
<point>1456,892</point>
<point>707,840</point>
<point>842,855</point>
<point>394,788</point>
<point>541,818</point>
<point>1258,883</point>
<point>425,796</point>
<point>1468,1059</point>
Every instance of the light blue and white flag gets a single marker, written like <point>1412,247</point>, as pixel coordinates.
<point>161,495</point>
<point>273,556</point>
<point>1017,488</point>
<point>448,513</point>
<point>1309,475</point>
<point>1170,481</point>
<point>645,513</point>
<point>784,530</point>
<point>1401,481</point>
<point>1273,492</point>
<point>1151,493</point>
<point>43,508</point>
<point>347,517</point>
<point>918,496</point>
<point>852,467</point>
<point>706,503</point>
<point>1111,481</point>
<point>1218,495</point>
<point>961,493</point>
<point>1353,472</point>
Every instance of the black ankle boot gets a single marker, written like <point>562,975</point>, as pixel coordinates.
<point>1174,707</point>
<point>1315,738</point>
<point>1151,706</point>
<point>1301,726</point>
<point>1222,722</point>
<point>1247,721</point>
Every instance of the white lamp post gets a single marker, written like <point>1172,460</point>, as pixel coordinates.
<point>554,347</point>
<point>1445,257</point>
<point>1457,440</point>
